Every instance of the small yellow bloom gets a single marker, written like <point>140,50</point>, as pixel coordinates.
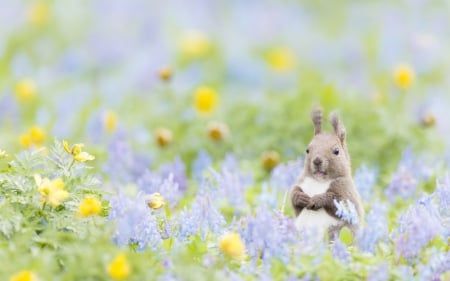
<point>232,245</point>
<point>89,206</point>
<point>119,268</point>
<point>166,73</point>
<point>36,136</point>
<point>25,90</point>
<point>206,100</point>
<point>428,120</point>
<point>39,13</point>
<point>52,191</point>
<point>404,76</point>
<point>217,131</point>
<point>24,275</point>
<point>3,154</point>
<point>195,44</point>
<point>77,152</point>
<point>270,159</point>
<point>163,137</point>
<point>110,121</point>
<point>155,201</point>
<point>281,59</point>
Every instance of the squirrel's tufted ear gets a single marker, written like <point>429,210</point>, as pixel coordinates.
<point>339,128</point>
<point>316,116</point>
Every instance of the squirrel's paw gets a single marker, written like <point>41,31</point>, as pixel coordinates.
<point>314,203</point>
<point>300,199</point>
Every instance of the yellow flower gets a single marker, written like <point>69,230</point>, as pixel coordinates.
<point>77,152</point>
<point>25,90</point>
<point>206,100</point>
<point>52,191</point>
<point>428,120</point>
<point>24,275</point>
<point>155,201</point>
<point>39,13</point>
<point>119,268</point>
<point>217,131</point>
<point>166,73</point>
<point>281,59</point>
<point>110,121</point>
<point>163,137</point>
<point>89,206</point>
<point>404,76</point>
<point>36,136</point>
<point>270,159</point>
<point>232,245</point>
<point>195,44</point>
<point>3,154</point>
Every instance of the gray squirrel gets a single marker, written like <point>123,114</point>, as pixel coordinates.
<point>326,178</point>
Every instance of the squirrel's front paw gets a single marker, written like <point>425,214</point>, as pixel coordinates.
<point>300,199</point>
<point>314,203</point>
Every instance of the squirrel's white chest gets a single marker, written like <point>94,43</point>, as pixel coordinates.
<point>311,220</point>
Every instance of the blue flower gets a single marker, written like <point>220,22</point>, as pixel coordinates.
<point>438,264</point>
<point>166,186</point>
<point>375,229</point>
<point>346,211</point>
<point>340,251</point>
<point>365,178</point>
<point>379,273</point>
<point>201,164</point>
<point>283,176</point>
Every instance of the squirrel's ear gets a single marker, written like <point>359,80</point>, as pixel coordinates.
<point>316,116</point>
<point>339,128</point>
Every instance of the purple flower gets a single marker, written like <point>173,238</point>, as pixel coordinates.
<point>231,186</point>
<point>442,195</point>
<point>346,211</point>
<point>177,169</point>
<point>340,251</point>
<point>365,178</point>
<point>438,264</point>
<point>201,164</point>
<point>412,235</point>
<point>379,273</point>
<point>375,229</point>
<point>166,186</point>
<point>283,176</point>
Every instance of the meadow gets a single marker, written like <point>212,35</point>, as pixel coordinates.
<point>160,140</point>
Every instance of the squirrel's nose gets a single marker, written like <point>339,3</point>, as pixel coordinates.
<point>317,161</point>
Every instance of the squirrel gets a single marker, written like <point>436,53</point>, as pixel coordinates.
<point>326,177</point>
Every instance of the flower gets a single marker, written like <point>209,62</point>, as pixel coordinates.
<point>205,100</point>
<point>39,13</point>
<point>231,244</point>
<point>163,137</point>
<point>217,131</point>
<point>281,59</point>
<point>365,178</point>
<point>52,191</point>
<point>195,44</point>
<point>89,206</point>
<point>3,154</point>
<point>375,229</point>
<point>35,136</point>
<point>346,211</point>
<point>155,201</point>
<point>119,268</point>
<point>24,275</point>
<point>165,73</point>
<point>403,76</point>
<point>77,152</point>
<point>110,121</point>
<point>270,159</point>
<point>428,120</point>
<point>25,90</point>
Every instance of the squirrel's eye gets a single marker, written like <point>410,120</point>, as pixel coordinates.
<point>336,151</point>
<point>307,150</point>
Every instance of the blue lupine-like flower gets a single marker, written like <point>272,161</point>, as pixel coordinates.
<point>166,186</point>
<point>405,181</point>
<point>340,251</point>
<point>178,170</point>
<point>375,228</point>
<point>412,222</point>
<point>438,264</point>
<point>201,164</point>
<point>283,176</point>
<point>442,195</point>
<point>346,211</point>
<point>379,273</point>
<point>231,186</point>
<point>365,178</point>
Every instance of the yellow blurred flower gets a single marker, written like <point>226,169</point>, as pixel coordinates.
<point>404,76</point>
<point>110,121</point>
<point>25,90</point>
<point>205,100</point>
<point>52,191</point>
<point>163,137</point>
<point>39,13</point>
<point>217,131</point>
<point>35,136</point>
<point>195,44</point>
<point>428,120</point>
<point>77,152</point>
<point>166,73</point>
<point>155,201</point>
<point>281,59</point>
<point>119,268</point>
<point>89,206</point>
<point>3,154</point>
<point>231,244</point>
<point>270,159</point>
<point>24,275</point>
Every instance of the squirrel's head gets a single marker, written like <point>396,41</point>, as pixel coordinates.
<point>326,155</point>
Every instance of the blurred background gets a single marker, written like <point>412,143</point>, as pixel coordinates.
<point>173,80</point>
